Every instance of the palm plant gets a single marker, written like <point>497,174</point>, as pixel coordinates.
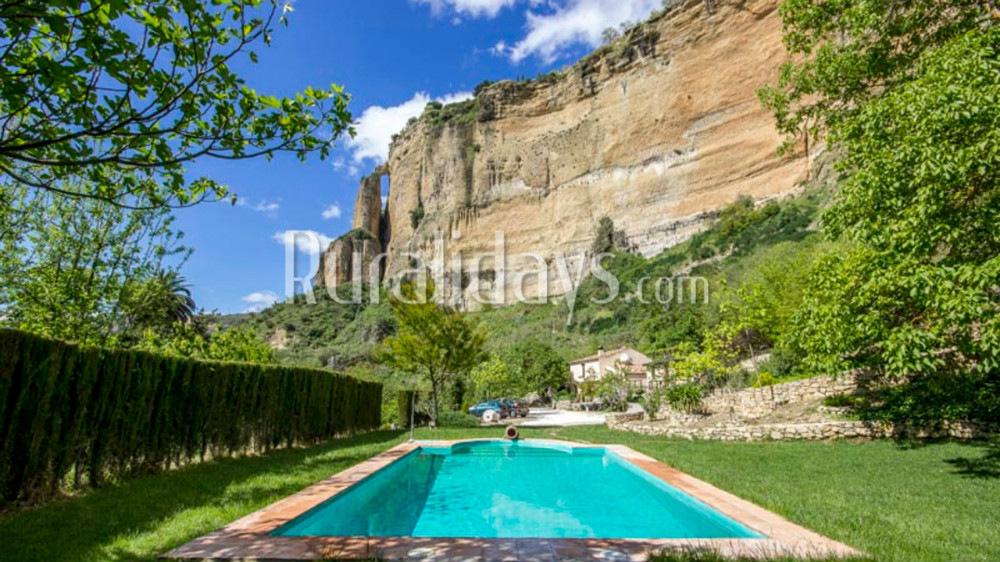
<point>159,301</point>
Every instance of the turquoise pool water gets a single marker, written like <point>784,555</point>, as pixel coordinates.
<point>514,490</point>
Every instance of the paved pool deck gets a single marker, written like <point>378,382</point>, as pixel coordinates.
<point>546,417</point>
<point>249,538</point>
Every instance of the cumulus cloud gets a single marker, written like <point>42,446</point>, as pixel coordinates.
<point>455,97</point>
<point>471,8</point>
<point>551,26</point>
<point>260,300</point>
<point>377,124</point>
<point>574,22</point>
<point>332,212</point>
<point>263,206</point>
<point>303,240</point>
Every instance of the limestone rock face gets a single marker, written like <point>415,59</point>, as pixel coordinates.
<point>348,258</point>
<point>658,131</point>
<point>368,204</point>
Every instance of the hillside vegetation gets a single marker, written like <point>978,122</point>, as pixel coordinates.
<point>903,281</point>
<point>745,243</point>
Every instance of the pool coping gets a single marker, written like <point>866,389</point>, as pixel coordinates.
<point>248,538</point>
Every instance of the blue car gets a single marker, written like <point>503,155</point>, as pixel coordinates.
<point>479,409</point>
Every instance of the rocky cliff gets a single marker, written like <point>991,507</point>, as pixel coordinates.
<point>657,131</point>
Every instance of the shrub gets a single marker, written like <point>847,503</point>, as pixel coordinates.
<point>613,390</point>
<point>933,397</point>
<point>405,401</point>
<point>481,87</point>
<point>782,362</point>
<point>390,411</point>
<point>685,397</point>
<point>536,366</point>
<point>606,238</point>
<point>106,414</point>
<point>651,402</point>
<point>417,215</point>
<point>838,401</point>
<point>457,420</point>
<point>603,236</point>
<point>765,379</point>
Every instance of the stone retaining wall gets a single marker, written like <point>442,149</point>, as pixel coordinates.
<point>807,431</point>
<point>624,418</point>
<point>754,403</point>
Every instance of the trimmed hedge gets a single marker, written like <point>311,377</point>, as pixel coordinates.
<point>73,415</point>
<point>404,398</point>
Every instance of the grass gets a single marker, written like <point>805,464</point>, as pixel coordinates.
<point>935,502</point>
<point>145,517</point>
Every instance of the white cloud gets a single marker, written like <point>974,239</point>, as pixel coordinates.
<point>377,124</point>
<point>260,300</point>
<point>303,240</point>
<point>471,8</point>
<point>351,168</point>
<point>455,97</point>
<point>332,212</point>
<point>560,25</point>
<point>500,49</point>
<point>574,22</point>
<point>264,206</point>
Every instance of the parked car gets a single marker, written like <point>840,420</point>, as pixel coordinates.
<point>516,407</point>
<point>479,410</point>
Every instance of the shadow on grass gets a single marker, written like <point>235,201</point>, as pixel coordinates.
<point>158,512</point>
<point>702,555</point>
<point>985,466</point>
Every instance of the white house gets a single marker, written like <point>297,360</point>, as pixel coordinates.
<point>595,367</point>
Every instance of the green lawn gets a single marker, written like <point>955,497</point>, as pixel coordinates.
<point>932,502</point>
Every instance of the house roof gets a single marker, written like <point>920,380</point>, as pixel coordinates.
<point>642,359</point>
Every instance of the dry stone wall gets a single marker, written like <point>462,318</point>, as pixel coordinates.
<point>757,402</point>
<point>749,404</point>
<point>817,431</point>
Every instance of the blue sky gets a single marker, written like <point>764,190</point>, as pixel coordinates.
<point>392,56</point>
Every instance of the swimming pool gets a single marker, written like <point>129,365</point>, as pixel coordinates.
<point>493,489</point>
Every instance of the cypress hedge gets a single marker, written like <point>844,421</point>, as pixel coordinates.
<point>404,399</point>
<point>73,416</point>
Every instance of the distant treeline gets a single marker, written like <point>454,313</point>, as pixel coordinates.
<point>74,416</point>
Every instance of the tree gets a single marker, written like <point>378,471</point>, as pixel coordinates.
<point>530,366</point>
<point>158,302</point>
<point>122,94</point>
<point>536,366</point>
<point>667,326</point>
<point>606,238</point>
<point>494,378</point>
<point>911,93</point>
<point>758,314</point>
<point>195,341</point>
<point>433,341</point>
<point>849,52</point>
<point>66,266</point>
<point>714,363</point>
